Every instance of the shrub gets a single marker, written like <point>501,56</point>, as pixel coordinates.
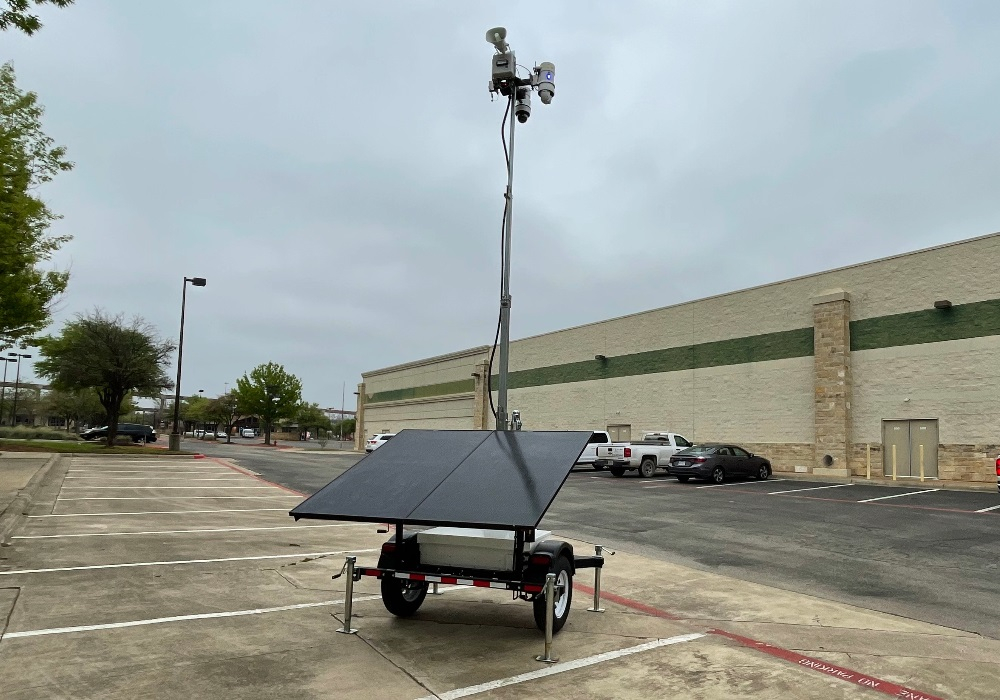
<point>122,440</point>
<point>26,432</point>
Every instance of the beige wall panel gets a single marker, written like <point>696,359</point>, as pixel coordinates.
<point>447,368</point>
<point>760,402</point>
<point>957,381</point>
<point>451,414</point>
<point>963,273</point>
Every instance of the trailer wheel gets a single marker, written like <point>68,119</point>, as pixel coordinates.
<point>403,597</point>
<point>564,579</point>
<point>617,471</point>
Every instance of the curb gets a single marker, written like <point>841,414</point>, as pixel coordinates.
<point>13,514</point>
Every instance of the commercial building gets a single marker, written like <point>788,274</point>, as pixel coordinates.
<point>889,362</point>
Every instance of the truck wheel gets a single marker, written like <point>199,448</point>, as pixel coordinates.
<point>402,597</point>
<point>564,579</point>
<point>648,467</point>
<point>617,471</point>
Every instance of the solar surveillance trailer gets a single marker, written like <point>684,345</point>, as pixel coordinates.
<point>506,82</point>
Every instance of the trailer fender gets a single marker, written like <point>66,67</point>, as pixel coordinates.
<point>543,558</point>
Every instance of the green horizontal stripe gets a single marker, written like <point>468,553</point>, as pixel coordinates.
<point>459,386</point>
<point>737,351</point>
<point>975,320</point>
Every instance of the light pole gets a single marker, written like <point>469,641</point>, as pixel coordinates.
<point>3,387</point>
<point>17,383</point>
<point>175,437</point>
<point>506,82</point>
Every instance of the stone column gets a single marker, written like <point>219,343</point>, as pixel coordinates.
<point>359,420</point>
<point>832,382</point>
<point>481,402</point>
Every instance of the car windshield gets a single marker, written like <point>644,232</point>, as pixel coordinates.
<point>699,450</point>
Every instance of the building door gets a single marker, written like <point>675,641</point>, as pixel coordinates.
<point>924,446</point>
<point>620,433</point>
<point>907,441</point>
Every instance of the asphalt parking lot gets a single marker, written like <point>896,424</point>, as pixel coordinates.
<point>176,577</point>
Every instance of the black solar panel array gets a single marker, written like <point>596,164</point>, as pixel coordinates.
<point>461,478</point>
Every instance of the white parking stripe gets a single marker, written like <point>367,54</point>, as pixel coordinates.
<point>898,495</point>
<point>177,618</point>
<point>987,510</point>
<point>561,668</point>
<point>740,483</point>
<point>179,532</point>
<point>157,478</point>
<point>132,488</point>
<point>156,512</point>
<point>814,488</point>
<point>182,561</point>
<point>174,498</point>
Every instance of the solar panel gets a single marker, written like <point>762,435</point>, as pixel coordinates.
<point>462,478</point>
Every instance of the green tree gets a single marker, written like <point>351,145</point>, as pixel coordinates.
<point>226,410</point>
<point>80,406</point>
<point>28,159</point>
<point>113,356</point>
<point>270,393</point>
<point>16,15</point>
<point>343,428</point>
<point>310,415</point>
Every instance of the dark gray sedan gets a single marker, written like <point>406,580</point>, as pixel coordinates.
<point>716,462</point>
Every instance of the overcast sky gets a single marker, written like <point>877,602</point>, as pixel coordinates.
<point>335,170</point>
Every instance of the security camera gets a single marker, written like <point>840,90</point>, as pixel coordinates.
<point>515,420</point>
<point>544,80</point>
<point>522,107</point>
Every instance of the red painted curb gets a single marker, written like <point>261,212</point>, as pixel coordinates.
<point>808,662</point>
<point>198,456</point>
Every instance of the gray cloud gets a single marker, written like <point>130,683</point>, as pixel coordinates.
<point>335,171</point>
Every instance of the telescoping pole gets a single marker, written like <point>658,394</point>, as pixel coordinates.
<point>505,299</point>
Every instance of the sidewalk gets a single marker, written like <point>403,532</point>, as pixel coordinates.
<point>20,474</point>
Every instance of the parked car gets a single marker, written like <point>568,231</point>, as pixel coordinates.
<point>716,462</point>
<point>377,440</point>
<point>589,456</point>
<point>248,433</point>
<point>221,434</point>
<point>136,431</point>
<point>647,455</point>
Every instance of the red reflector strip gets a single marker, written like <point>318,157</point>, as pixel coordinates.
<point>450,580</point>
<point>481,584</point>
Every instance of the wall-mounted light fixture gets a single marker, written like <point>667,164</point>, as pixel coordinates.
<point>602,358</point>
<point>942,304</point>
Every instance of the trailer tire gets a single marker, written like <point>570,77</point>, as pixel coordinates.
<point>648,467</point>
<point>564,576</point>
<point>403,597</point>
<point>617,471</point>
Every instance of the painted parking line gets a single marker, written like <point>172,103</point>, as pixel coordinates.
<point>561,668</point>
<point>132,488</point>
<point>813,488</point>
<point>805,662</point>
<point>151,478</point>
<point>178,562</point>
<point>179,532</point>
<point>987,510</point>
<point>157,512</point>
<point>176,618</point>
<point>898,495</point>
<point>173,498</point>
<point>740,483</point>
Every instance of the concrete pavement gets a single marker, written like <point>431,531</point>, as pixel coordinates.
<point>177,577</point>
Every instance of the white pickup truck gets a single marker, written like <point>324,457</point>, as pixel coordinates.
<point>652,452</point>
<point>589,455</point>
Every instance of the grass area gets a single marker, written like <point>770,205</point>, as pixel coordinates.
<point>83,448</point>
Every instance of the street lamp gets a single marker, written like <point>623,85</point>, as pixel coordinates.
<point>17,382</point>
<point>506,82</point>
<point>175,437</point>
<point>3,387</point>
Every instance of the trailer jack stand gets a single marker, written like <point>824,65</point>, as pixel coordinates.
<point>348,595</point>
<point>598,551</point>
<point>550,605</point>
